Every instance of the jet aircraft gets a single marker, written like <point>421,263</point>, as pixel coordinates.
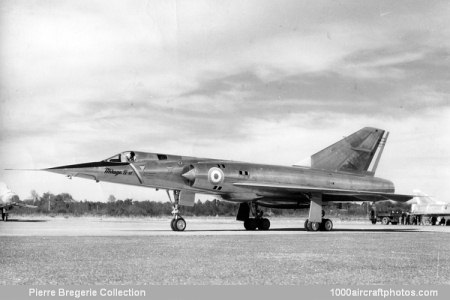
<point>338,173</point>
<point>425,205</point>
<point>7,203</point>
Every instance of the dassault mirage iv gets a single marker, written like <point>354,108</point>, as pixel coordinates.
<point>426,206</point>
<point>338,173</point>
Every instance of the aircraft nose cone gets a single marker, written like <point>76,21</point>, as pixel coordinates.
<point>190,175</point>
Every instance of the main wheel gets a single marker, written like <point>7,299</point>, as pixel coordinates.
<point>327,225</point>
<point>263,224</point>
<point>313,226</point>
<point>306,224</point>
<point>385,221</point>
<point>179,224</point>
<point>374,221</point>
<point>172,224</point>
<point>3,216</point>
<point>250,224</point>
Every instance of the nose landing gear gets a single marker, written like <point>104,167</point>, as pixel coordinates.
<point>177,223</point>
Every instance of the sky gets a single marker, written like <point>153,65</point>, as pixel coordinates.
<point>258,81</point>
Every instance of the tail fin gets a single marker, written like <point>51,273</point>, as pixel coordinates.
<point>352,154</point>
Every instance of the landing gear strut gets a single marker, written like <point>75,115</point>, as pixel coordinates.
<point>258,222</point>
<point>177,223</point>
<point>4,215</point>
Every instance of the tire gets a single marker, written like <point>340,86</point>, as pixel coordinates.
<point>263,224</point>
<point>313,226</point>
<point>306,224</point>
<point>179,224</point>
<point>447,223</point>
<point>172,224</point>
<point>374,221</point>
<point>327,225</point>
<point>385,221</point>
<point>250,224</point>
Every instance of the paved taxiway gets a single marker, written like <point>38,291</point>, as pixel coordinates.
<point>218,251</point>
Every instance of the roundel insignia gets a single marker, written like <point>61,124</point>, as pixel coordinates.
<point>215,176</point>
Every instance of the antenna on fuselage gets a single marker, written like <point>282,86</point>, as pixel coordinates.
<point>381,146</point>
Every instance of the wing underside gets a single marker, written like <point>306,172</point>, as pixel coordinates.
<point>329,194</point>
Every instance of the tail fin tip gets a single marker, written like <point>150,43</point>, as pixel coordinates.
<point>352,154</point>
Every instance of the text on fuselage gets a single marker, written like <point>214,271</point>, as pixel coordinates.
<point>117,172</point>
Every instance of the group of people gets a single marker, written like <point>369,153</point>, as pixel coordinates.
<point>408,219</point>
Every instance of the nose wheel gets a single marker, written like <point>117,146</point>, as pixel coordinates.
<point>177,223</point>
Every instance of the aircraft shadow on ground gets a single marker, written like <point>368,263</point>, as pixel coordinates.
<point>379,230</point>
<point>25,221</point>
<point>295,229</point>
<point>353,229</point>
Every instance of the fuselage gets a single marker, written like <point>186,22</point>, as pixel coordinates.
<point>175,172</point>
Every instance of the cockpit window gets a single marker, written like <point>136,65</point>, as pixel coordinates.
<point>162,156</point>
<point>128,156</point>
<point>132,156</point>
<point>115,158</point>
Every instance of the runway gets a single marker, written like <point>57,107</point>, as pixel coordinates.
<point>218,251</point>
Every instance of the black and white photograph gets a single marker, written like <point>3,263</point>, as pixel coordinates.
<point>198,149</point>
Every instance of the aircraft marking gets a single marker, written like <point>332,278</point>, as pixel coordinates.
<point>116,172</point>
<point>215,175</point>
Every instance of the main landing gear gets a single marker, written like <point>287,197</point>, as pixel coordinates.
<point>257,222</point>
<point>316,222</point>
<point>325,225</point>
<point>177,223</point>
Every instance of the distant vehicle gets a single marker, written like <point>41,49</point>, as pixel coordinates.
<point>338,173</point>
<point>7,203</point>
<point>385,216</point>
<point>428,209</point>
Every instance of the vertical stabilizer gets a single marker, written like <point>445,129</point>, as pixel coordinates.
<point>351,154</point>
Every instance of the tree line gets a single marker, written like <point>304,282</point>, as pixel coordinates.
<point>64,204</point>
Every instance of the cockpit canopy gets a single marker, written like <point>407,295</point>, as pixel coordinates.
<point>135,156</point>
<point>127,156</point>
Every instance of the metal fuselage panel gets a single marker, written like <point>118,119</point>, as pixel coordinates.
<point>167,174</point>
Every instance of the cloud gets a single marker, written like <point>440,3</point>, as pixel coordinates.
<point>83,80</point>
